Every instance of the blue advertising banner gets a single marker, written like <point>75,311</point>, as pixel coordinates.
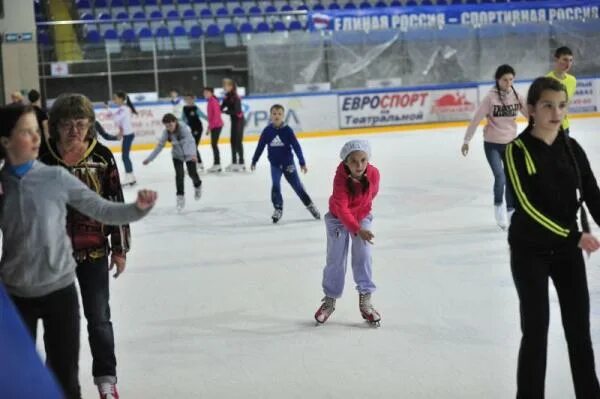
<point>405,18</point>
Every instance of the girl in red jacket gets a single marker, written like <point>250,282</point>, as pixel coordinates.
<point>355,185</point>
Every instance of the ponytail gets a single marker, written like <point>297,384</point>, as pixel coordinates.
<point>130,105</point>
<point>364,182</point>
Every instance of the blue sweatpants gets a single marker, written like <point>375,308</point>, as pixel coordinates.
<point>334,275</point>
<point>291,175</point>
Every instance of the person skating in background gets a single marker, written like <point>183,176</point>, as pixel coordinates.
<point>183,151</point>
<point>98,248</point>
<point>232,106</point>
<point>37,265</point>
<point>176,102</point>
<point>191,116</point>
<point>280,139</point>
<point>563,62</point>
<point>122,118</point>
<point>500,107</point>
<point>215,125</point>
<point>552,178</point>
<point>355,185</point>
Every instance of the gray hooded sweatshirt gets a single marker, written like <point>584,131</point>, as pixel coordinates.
<point>37,256</point>
<point>184,146</point>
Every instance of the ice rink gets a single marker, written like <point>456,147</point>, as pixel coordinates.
<point>217,302</point>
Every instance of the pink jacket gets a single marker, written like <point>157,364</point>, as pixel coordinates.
<point>214,114</point>
<point>350,210</point>
<point>501,127</point>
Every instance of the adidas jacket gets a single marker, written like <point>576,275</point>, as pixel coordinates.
<point>280,140</point>
<point>544,181</point>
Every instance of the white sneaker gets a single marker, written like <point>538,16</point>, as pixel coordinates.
<point>214,169</point>
<point>180,202</point>
<point>198,192</point>
<point>500,214</point>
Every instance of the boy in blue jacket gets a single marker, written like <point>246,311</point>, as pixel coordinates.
<point>281,139</point>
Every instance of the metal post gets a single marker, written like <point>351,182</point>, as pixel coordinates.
<point>203,61</point>
<point>43,76</point>
<point>155,67</point>
<point>109,73</point>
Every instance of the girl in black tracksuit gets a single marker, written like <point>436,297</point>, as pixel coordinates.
<point>232,105</point>
<point>551,178</point>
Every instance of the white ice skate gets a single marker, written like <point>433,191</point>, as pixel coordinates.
<point>231,167</point>
<point>277,213</point>
<point>325,310</point>
<point>215,169</point>
<point>367,310</point>
<point>180,203</point>
<point>129,180</point>
<point>500,214</point>
<point>108,391</point>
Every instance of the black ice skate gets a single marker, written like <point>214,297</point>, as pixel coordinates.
<point>277,213</point>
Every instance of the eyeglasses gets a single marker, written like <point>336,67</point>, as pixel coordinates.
<point>77,124</point>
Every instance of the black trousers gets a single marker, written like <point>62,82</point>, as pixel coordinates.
<point>92,275</point>
<point>59,312</point>
<point>237,138</point>
<point>197,136</point>
<point>214,143</point>
<point>192,172</point>
<point>531,271</point>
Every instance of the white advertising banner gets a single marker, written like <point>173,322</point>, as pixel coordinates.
<point>303,114</point>
<point>405,107</point>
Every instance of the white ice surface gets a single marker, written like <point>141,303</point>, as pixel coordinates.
<point>217,302</point>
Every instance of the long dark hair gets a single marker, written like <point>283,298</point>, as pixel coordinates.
<point>501,71</point>
<point>533,96</point>
<point>364,182</point>
<point>123,96</point>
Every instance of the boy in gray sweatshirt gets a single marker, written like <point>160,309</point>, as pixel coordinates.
<point>37,265</point>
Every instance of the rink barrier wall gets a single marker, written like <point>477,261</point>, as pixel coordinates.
<point>353,112</point>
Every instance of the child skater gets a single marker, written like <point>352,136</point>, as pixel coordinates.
<point>183,151</point>
<point>37,265</point>
<point>281,139</point>
<point>122,118</point>
<point>355,185</point>
<point>215,125</point>
<point>563,62</point>
<point>551,177</point>
<point>500,106</point>
<point>232,106</point>
<point>191,116</point>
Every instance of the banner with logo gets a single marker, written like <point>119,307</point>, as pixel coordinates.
<point>404,18</point>
<point>406,107</point>
<point>311,113</point>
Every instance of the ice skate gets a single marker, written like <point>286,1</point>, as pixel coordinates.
<point>215,169</point>
<point>500,214</point>
<point>129,180</point>
<point>180,203</point>
<point>367,310</point>
<point>198,192</point>
<point>277,213</point>
<point>230,168</point>
<point>325,310</point>
<point>240,167</point>
<point>108,391</point>
<point>314,211</point>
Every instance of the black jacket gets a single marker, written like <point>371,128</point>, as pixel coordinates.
<point>545,185</point>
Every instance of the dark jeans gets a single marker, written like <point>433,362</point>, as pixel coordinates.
<point>214,143</point>
<point>291,175</point>
<point>59,312</point>
<point>566,268</point>
<point>192,171</point>
<point>92,275</point>
<point>237,138</point>
<point>126,148</point>
<point>197,136</point>
<point>495,155</point>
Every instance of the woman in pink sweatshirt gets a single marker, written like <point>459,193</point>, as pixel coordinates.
<point>215,124</point>
<point>501,107</point>
<point>355,185</point>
